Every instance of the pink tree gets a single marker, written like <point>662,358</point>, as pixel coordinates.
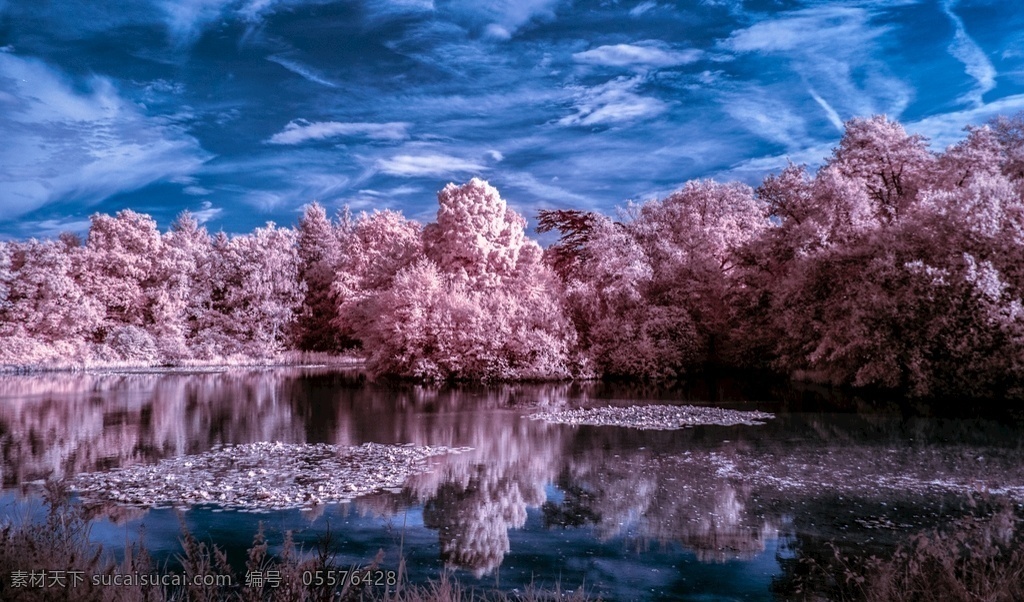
<point>373,250</point>
<point>46,315</point>
<point>480,304</point>
<point>120,266</point>
<point>6,276</point>
<point>319,253</point>
<point>476,237</point>
<point>184,290</point>
<point>256,294</point>
<point>922,296</point>
<point>890,164</point>
<point>691,239</point>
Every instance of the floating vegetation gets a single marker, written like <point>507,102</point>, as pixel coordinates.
<point>262,476</point>
<point>655,417</point>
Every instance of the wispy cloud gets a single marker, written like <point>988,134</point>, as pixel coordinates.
<point>834,49</point>
<point>51,228</point>
<point>642,8</point>
<point>546,193</point>
<point>508,15</point>
<point>613,102</point>
<point>831,113</point>
<point>947,128</point>
<point>300,130</point>
<point>206,212</point>
<point>302,70</point>
<point>62,144</point>
<point>941,130</point>
<point>644,54</point>
<point>769,118</point>
<point>967,51</point>
<point>428,164</point>
<point>186,18</point>
<point>389,192</point>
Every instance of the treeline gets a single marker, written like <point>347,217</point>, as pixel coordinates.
<point>891,266</point>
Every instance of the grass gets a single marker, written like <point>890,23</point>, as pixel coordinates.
<point>978,557</point>
<point>59,544</point>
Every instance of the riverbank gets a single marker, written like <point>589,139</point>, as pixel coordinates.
<point>286,359</point>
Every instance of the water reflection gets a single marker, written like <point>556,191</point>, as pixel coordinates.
<point>721,493</point>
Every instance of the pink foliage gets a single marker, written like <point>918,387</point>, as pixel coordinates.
<point>256,293</point>
<point>476,237</point>
<point>319,252</point>
<point>120,265</point>
<point>46,309</point>
<point>373,250</point>
<point>480,305</point>
<point>890,164</point>
<point>890,266</point>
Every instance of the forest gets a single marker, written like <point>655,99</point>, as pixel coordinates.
<point>890,266</point>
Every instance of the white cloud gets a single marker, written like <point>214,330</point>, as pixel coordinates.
<point>509,15</point>
<point>545,191</point>
<point>196,191</point>
<point>428,164</point>
<point>941,130</point>
<point>834,49</point>
<point>497,32</point>
<point>305,71</point>
<point>62,144</point>
<point>947,128</point>
<point>831,113</point>
<point>813,28</point>
<point>967,51</point>
<point>769,118</point>
<point>613,102</point>
<point>496,155</point>
<point>300,130</point>
<point>396,191</point>
<point>641,8</point>
<point>186,18</point>
<point>207,212</point>
<point>51,228</point>
<point>645,54</point>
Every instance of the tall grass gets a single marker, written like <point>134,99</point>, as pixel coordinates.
<point>976,558</point>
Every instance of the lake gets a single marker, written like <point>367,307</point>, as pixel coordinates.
<point>702,513</point>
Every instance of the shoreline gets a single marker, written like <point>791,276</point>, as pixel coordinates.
<point>286,360</point>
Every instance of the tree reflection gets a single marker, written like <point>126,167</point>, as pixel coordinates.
<point>721,493</point>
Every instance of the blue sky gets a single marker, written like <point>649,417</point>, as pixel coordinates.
<point>243,111</point>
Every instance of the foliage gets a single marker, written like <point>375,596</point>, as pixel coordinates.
<point>479,305</point>
<point>891,266</point>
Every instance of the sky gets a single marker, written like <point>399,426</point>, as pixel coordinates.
<point>245,111</point>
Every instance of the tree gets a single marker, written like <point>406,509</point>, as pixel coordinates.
<point>256,294</point>
<point>890,164</point>
<point>576,228</point>
<point>977,156</point>
<point>183,295</point>
<point>46,312</point>
<point>319,251</point>
<point>479,305</point>
<point>476,237</point>
<point>691,239</point>
<point>373,250</point>
<point>119,270</point>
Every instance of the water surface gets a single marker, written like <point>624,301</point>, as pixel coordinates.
<point>704,513</point>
